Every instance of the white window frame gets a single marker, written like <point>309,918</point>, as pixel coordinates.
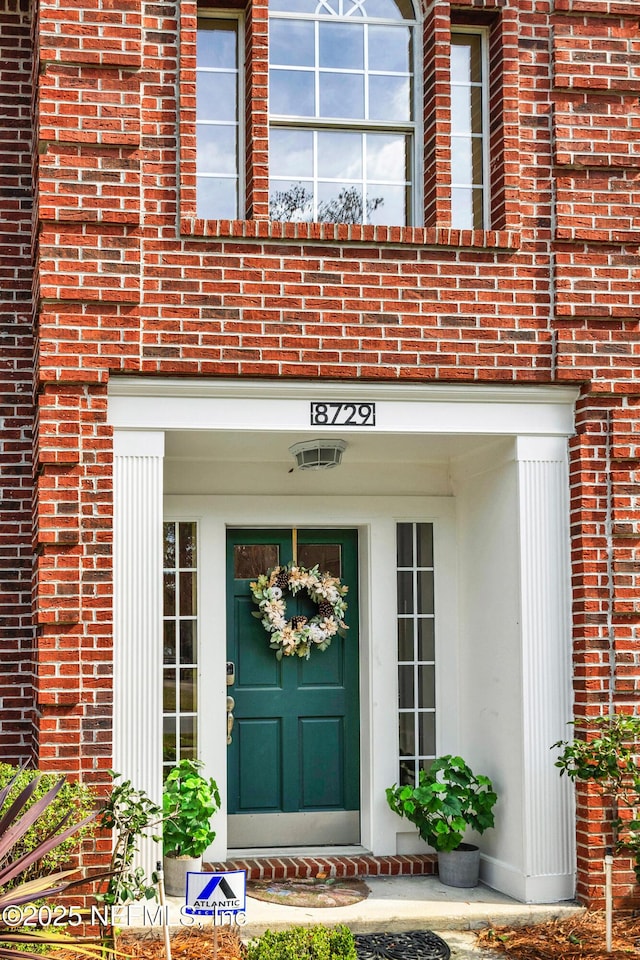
<point>413,128</point>
<point>209,14</point>
<point>483,33</point>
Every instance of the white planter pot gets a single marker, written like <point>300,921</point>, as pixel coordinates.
<point>175,873</point>
<point>459,867</point>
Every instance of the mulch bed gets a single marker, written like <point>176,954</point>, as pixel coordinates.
<point>190,944</point>
<point>580,937</point>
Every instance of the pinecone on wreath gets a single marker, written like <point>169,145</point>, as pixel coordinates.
<point>298,622</point>
<point>325,609</point>
<point>282,579</point>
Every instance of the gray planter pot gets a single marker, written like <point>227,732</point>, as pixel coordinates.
<point>459,867</point>
<point>175,873</point>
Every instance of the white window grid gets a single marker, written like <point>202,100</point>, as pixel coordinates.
<point>411,764</point>
<point>363,125</point>
<point>483,34</point>
<point>236,177</point>
<point>171,671</point>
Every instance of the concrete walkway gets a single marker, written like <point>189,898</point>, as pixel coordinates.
<point>398,904</point>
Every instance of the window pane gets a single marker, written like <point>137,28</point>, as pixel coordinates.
<point>462,208</point>
<point>389,48</point>
<point>341,45</point>
<point>187,551</point>
<point>252,559</point>
<point>466,110</point>
<point>407,773</point>
<point>387,204</point>
<point>405,544</point>
<point>169,691</point>
<point>425,591</point>
<point>217,197</point>
<point>466,58</point>
<point>389,98</point>
<point>292,93</point>
<point>291,153</point>
<point>188,691</point>
<point>169,543</point>
<point>427,734</point>
<point>342,95</point>
<point>216,96</point>
<point>405,640</point>
<point>426,686</point>
<point>387,157</point>
<point>187,641</point>
<point>406,695</point>
<point>426,640</point>
<point>169,739</point>
<point>389,9</point>
<point>340,155</point>
<point>466,160</point>
<point>217,149</point>
<point>407,735</point>
<point>187,594</point>
<point>188,740</point>
<point>339,203</point>
<point>405,592</point>
<point>217,43</point>
<point>292,42</point>
<point>328,557</point>
<point>291,201</point>
<point>425,544</point>
<point>169,594</point>
<point>169,641</point>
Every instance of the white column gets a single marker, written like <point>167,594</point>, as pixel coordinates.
<point>137,617</point>
<point>548,819</point>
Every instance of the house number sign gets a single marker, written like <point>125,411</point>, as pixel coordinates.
<point>330,413</point>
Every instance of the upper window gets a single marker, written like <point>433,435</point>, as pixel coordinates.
<point>217,126</point>
<point>469,162</point>
<point>341,131</point>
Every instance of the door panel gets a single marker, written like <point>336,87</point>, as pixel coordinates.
<point>294,754</point>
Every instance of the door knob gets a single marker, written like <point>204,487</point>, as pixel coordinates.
<point>230,718</point>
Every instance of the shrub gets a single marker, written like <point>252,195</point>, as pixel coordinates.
<point>304,943</point>
<point>75,799</point>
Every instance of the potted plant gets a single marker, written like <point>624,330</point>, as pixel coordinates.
<point>448,800</point>
<point>188,803</point>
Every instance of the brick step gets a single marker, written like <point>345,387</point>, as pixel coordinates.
<point>281,868</point>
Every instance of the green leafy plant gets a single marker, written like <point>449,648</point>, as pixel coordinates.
<point>448,800</point>
<point>19,814</point>
<point>74,798</point>
<point>128,813</point>
<point>188,803</point>
<point>605,751</point>
<point>304,943</point>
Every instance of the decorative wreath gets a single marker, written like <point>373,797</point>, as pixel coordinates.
<point>299,635</point>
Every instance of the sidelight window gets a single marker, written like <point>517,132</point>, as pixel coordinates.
<point>416,649</point>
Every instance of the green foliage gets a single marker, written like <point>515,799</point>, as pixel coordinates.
<point>75,799</point>
<point>188,803</point>
<point>605,751</point>
<point>21,814</point>
<point>128,813</point>
<point>304,943</point>
<point>448,800</point>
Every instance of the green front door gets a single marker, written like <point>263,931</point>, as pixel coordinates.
<point>293,760</point>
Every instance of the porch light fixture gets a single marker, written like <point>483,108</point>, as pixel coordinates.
<point>318,454</point>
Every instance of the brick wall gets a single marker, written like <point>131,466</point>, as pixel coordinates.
<point>132,282</point>
<point>16,408</point>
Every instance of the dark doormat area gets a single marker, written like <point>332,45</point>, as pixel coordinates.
<point>329,892</point>
<point>415,945</point>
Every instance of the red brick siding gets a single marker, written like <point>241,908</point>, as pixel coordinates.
<point>133,283</point>
<point>16,407</point>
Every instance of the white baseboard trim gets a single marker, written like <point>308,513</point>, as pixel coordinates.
<point>551,888</point>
